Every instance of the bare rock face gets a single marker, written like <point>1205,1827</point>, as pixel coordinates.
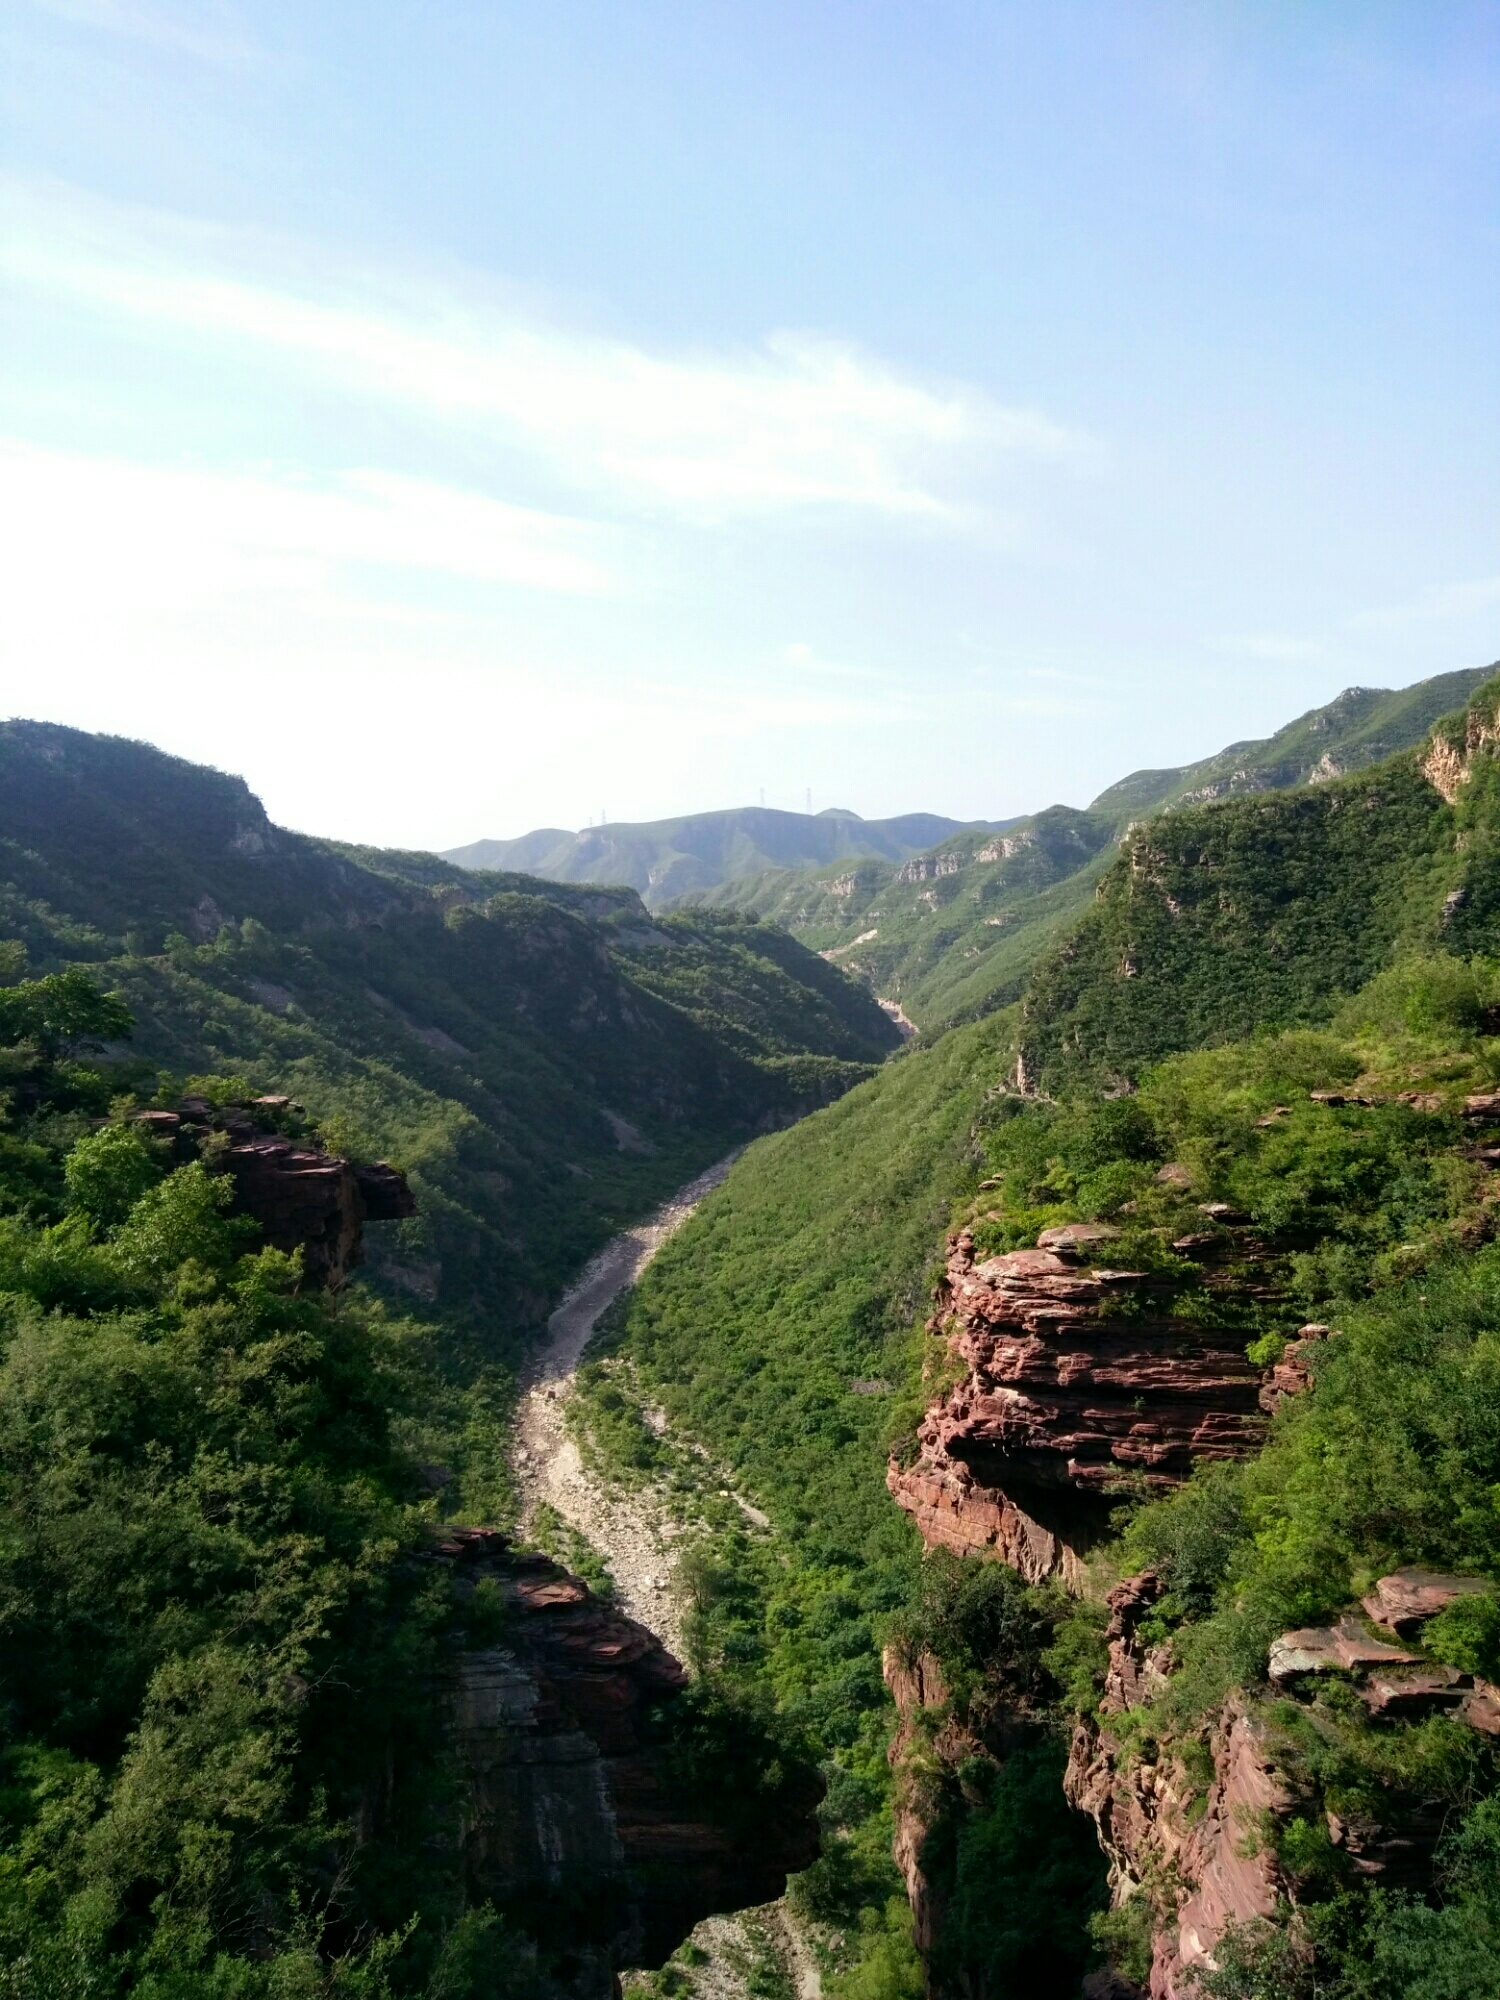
<point>1143,1809</point>
<point>1146,1828</point>
<point>315,1201</point>
<point>1156,1824</point>
<point>915,1685</point>
<point>1407,1598</point>
<point>1292,1374</point>
<point>303,1198</point>
<point>1080,1381</point>
<point>582,1810</point>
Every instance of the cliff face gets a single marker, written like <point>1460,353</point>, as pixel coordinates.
<point>1144,1806</point>
<point>303,1198</point>
<point>584,1807</point>
<point>1080,1381</point>
<point>1198,1845</point>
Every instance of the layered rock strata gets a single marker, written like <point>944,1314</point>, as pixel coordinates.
<point>580,1810</point>
<point>1143,1805</point>
<point>1082,1383</point>
<point>1184,1846</point>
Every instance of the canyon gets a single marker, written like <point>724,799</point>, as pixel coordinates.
<point>588,1806</point>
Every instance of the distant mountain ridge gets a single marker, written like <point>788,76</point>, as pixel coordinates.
<point>1359,727</point>
<point>669,858</point>
<point>953,933</point>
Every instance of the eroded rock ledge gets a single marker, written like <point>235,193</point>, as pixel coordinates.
<point>303,1197</point>
<point>1081,1382</point>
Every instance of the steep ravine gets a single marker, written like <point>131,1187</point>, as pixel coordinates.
<point>633,1532</point>
<point>639,1536</point>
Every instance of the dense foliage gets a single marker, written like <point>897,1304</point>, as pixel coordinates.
<point>796,1289</point>
<point>544,1061</point>
<point>224,1773</point>
<point>217,1613</point>
<point>1218,921</point>
<point>210,1594</point>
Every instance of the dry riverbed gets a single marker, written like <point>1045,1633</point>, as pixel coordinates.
<point>632,1531</point>
<point>638,1533</point>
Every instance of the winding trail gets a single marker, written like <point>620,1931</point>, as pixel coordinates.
<point>630,1530</point>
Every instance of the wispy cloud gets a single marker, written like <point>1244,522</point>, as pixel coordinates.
<point>794,421</point>
<point>1275,649</point>
<point>1439,602</point>
<point>213,33</point>
<point>137,538</point>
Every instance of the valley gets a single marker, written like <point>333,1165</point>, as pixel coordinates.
<point>541,1439</point>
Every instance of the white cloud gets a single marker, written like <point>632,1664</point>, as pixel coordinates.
<point>796,420</point>
<point>129,538</point>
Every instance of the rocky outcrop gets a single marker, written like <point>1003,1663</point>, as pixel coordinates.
<point>918,1688</point>
<point>1199,1844</point>
<point>1292,1374</point>
<point>1185,1851</point>
<point>316,1201</point>
<point>585,1808</point>
<point>303,1198</point>
<point>1081,1383</point>
<point>938,1747</point>
<point>1449,756</point>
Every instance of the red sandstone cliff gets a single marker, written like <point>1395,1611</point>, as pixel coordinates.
<point>303,1198</point>
<point>1194,1846</point>
<point>1080,1383</point>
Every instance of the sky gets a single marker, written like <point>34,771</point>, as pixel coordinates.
<point>460,416</point>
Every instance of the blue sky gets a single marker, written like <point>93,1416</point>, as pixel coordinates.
<point>464,417</point>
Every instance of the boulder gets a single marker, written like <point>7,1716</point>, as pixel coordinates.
<point>1344,1647</point>
<point>1406,1598</point>
<point>1408,1693</point>
<point>1072,1237</point>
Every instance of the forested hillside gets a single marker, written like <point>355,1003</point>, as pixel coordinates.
<point>1255,1098</point>
<point>1321,1157</point>
<point>953,933</point>
<point>231,1614</point>
<point>544,1061</point>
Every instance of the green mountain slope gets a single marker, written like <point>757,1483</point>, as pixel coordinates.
<point>809,1269</point>
<point>665,859</point>
<point>1218,919</point>
<point>953,932</point>
<point>1362,726</point>
<point>545,1060</point>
